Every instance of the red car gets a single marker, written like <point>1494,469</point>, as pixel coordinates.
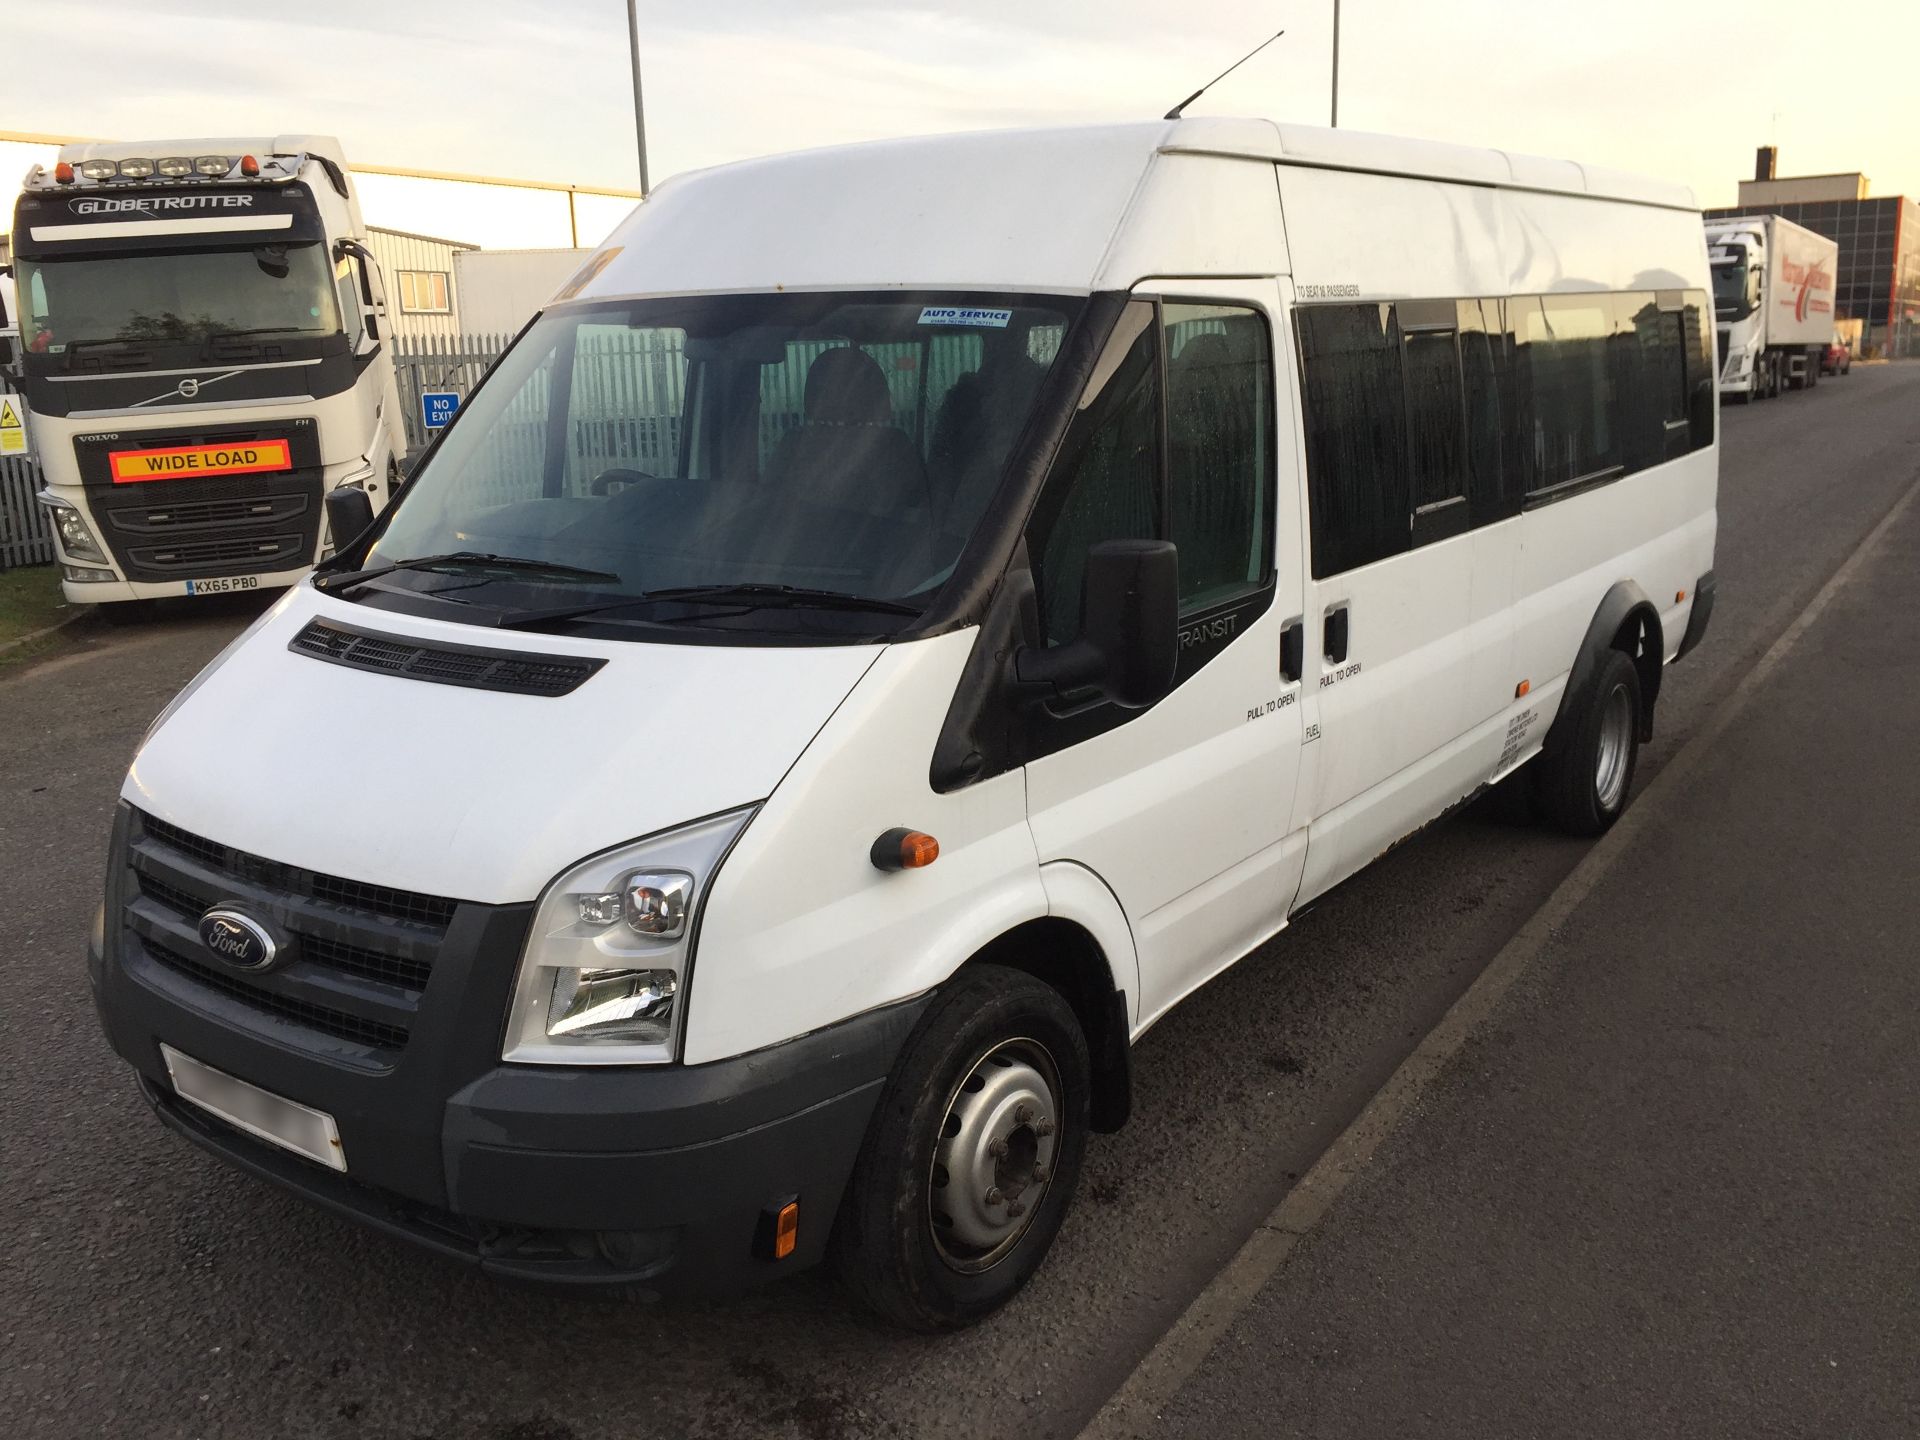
<point>1837,359</point>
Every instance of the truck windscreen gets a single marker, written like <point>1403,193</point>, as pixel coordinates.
<point>175,297</point>
<point>840,448</point>
<point>1732,293</point>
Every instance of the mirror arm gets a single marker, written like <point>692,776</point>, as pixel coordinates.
<point>1048,674</point>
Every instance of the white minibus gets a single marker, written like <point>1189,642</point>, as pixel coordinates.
<point>901,619</point>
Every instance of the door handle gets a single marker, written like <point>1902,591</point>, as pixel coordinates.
<point>1334,632</point>
<point>1293,649</point>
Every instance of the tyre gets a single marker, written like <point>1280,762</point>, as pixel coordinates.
<point>1583,787</point>
<point>972,1156</point>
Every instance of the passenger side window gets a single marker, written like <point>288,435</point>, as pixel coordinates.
<point>1428,417</point>
<point>1356,431</point>
<point>1436,421</point>
<point>1219,450</point>
<point>346,284</point>
<point>1215,496</point>
<point>1105,484</point>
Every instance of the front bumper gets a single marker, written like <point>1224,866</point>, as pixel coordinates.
<point>656,1180</point>
<point>117,590</point>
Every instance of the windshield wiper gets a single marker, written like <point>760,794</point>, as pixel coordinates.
<point>465,559</point>
<point>752,597</point>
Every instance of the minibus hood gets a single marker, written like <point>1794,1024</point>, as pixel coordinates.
<point>471,793</point>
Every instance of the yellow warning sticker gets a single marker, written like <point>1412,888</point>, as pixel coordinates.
<point>13,427</point>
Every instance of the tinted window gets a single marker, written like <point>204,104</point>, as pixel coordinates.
<point>1567,413</point>
<point>1493,470</point>
<point>1219,449</point>
<point>1410,408</point>
<point>1436,434</point>
<point>1104,486</point>
<point>1356,434</point>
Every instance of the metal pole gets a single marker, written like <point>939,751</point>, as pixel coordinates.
<point>639,110</point>
<point>1336,70</point>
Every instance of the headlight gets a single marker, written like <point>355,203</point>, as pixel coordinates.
<point>603,979</point>
<point>75,538</point>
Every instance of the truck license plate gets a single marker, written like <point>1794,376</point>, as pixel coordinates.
<point>275,1119</point>
<point>225,586</point>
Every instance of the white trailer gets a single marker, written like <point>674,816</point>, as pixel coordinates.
<point>201,342</point>
<point>501,289</point>
<point>1773,293</point>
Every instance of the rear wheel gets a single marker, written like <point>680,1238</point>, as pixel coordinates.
<point>972,1157</point>
<point>1583,786</point>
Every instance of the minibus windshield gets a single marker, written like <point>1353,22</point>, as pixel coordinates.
<point>177,298</point>
<point>785,461</point>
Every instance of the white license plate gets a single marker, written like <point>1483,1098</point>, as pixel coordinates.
<point>286,1123</point>
<point>224,586</point>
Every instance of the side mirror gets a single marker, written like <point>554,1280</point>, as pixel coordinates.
<point>1129,641</point>
<point>349,514</point>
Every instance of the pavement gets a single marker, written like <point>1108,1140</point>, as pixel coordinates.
<point>149,1291</point>
<point>1668,1186</point>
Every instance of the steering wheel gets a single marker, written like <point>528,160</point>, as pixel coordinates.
<point>612,482</point>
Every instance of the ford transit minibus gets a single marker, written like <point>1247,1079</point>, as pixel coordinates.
<point>901,619</point>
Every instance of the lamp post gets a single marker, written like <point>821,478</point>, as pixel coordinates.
<point>639,110</point>
<point>1336,71</point>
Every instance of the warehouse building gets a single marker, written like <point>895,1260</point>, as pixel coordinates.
<point>1879,237</point>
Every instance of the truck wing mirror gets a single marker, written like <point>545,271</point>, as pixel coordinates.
<point>1129,641</point>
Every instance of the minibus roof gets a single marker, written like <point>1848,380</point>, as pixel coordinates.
<point>1014,210</point>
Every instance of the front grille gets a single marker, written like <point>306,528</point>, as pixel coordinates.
<point>161,517</point>
<point>210,525</point>
<point>359,958</point>
<point>328,1021</point>
<point>202,557</point>
<point>516,672</point>
<point>354,894</point>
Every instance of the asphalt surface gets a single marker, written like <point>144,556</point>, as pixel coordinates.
<point>1668,1187</point>
<point>150,1291</point>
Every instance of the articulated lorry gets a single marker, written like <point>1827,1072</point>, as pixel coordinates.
<point>202,343</point>
<point>1773,292</point>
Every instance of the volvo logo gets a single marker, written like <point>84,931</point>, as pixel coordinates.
<point>188,388</point>
<point>238,940</point>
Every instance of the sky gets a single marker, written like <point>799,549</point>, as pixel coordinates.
<point>1682,89</point>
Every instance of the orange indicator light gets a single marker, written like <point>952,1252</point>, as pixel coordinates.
<point>1522,688</point>
<point>786,1230</point>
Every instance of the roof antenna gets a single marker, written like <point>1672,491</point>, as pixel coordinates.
<point>1174,113</point>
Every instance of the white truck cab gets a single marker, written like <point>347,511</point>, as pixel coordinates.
<point>904,617</point>
<point>1773,296</point>
<point>202,346</point>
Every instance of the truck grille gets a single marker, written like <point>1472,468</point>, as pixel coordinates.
<point>361,956</point>
<point>218,525</point>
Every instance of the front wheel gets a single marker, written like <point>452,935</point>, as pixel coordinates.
<point>1583,786</point>
<point>972,1156</point>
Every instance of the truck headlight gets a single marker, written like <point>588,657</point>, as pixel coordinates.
<point>603,978</point>
<point>75,538</point>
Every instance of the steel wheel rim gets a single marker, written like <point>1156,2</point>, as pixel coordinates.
<point>1616,744</point>
<point>993,1160</point>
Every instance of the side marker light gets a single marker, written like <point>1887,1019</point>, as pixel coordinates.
<point>786,1230</point>
<point>1522,688</point>
<point>1678,596</point>
<point>904,849</point>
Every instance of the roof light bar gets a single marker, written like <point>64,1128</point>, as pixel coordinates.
<point>212,164</point>
<point>174,166</point>
<point>136,169</point>
<point>98,169</point>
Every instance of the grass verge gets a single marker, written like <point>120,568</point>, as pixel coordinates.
<point>30,600</point>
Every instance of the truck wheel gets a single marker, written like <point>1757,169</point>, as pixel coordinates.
<point>972,1156</point>
<point>1583,787</point>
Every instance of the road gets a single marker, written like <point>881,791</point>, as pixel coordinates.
<point>153,1292</point>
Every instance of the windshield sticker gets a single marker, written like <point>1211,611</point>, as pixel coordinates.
<point>965,315</point>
